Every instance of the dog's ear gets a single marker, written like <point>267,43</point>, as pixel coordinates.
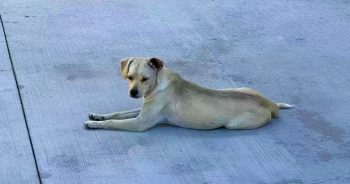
<point>156,63</point>
<point>124,66</point>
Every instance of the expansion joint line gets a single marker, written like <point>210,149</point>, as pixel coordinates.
<point>20,99</point>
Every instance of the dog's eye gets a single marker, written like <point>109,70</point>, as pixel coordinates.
<point>144,79</point>
<point>130,78</point>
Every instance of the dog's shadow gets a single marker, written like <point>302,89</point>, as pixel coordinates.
<point>175,131</point>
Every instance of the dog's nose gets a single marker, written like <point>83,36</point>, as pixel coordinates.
<point>133,92</point>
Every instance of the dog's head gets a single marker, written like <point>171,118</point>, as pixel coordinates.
<point>141,74</point>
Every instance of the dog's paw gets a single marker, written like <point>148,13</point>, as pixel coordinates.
<point>92,124</point>
<point>96,117</point>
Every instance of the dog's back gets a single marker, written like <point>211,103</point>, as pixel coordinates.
<point>238,95</point>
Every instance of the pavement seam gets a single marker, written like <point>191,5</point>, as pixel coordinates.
<point>20,99</point>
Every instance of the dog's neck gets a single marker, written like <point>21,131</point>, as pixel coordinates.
<point>162,82</point>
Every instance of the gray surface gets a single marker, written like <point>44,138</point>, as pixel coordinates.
<point>16,159</point>
<point>66,56</point>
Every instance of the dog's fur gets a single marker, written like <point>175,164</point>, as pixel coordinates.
<point>168,98</point>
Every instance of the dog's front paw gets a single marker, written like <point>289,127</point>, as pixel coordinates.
<point>96,117</point>
<point>92,124</point>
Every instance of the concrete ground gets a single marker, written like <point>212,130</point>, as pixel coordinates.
<point>59,61</point>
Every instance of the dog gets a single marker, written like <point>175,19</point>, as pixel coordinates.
<point>168,98</point>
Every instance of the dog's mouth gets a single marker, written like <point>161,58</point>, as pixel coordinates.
<point>134,96</point>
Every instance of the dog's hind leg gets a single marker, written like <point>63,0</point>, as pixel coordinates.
<point>116,115</point>
<point>250,120</point>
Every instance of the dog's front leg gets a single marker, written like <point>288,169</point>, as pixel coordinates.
<point>150,115</point>
<point>145,120</point>
<point>116,115</point>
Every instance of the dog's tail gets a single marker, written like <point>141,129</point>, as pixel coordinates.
<point>277,106</point>
<point>284,106</point>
